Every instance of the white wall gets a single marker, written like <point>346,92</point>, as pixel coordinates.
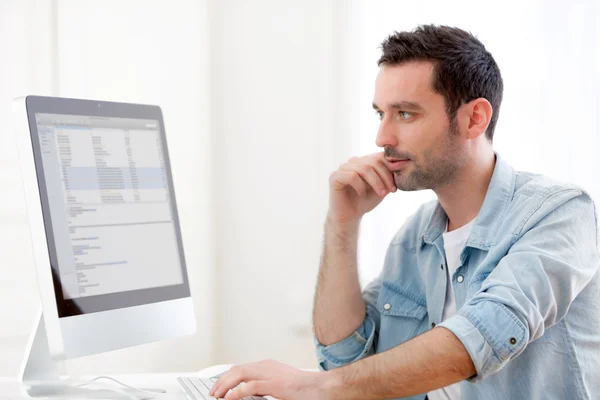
<point>271,73</point>
<point>25,68</point>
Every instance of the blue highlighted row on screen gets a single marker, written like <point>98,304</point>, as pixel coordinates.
<point>92,178</point>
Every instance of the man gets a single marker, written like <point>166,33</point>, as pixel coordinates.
<point>489,292</point>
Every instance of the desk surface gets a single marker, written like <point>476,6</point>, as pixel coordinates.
<point>11,389</point>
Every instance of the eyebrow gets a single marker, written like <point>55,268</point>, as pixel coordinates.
<point>403,105</point>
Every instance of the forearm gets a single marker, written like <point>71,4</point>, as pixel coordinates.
<point>433,360</point>
<point>339,308</point>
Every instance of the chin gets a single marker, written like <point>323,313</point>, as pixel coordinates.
<point>406,185</point>
<point>408,189</point>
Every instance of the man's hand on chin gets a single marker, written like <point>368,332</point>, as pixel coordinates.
<point>272,378</point>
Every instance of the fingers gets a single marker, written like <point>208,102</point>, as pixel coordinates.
<point>253,388</point>
<point>386,175</point>
<point>342,179</point>
<point>223,384</point>
<point>378,162</point>
<point>233,378</point>
<point>374,173</point>
<point>364,174</point>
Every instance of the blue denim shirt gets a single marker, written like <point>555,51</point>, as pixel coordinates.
<point>527,292</point>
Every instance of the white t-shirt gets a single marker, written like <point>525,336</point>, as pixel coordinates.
<point>454,243</point>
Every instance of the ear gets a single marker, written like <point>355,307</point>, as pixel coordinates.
<point>476,115</point>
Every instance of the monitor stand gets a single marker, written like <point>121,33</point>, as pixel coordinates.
<point>38,365</point>
<point>39,375</point>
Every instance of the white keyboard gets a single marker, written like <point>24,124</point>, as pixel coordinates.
<point>197,388</point>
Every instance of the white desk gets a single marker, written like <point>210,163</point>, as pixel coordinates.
<point>11,389</point>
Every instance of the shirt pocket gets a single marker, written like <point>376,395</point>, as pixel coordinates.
<point>403,316</point>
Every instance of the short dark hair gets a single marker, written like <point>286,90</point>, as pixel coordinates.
<point>463,69</point>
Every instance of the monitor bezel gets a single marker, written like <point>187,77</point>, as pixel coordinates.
<point>97,108</point>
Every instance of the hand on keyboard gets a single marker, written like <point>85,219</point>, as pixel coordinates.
<point>273,379</point>
<point>198,388</point>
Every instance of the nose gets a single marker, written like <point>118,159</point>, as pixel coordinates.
<point>386,137</point>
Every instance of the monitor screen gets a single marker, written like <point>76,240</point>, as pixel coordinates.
<point>109,212</point>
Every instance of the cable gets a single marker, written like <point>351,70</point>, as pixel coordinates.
<point>141,390</point>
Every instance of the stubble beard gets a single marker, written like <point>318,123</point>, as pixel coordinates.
<point>436,168</point>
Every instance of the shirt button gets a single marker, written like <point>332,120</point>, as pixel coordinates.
<point>460,279</point>
<point>513,340</point>
<point>433,324</point>
<point>442,266</point>
<point>387,306</point>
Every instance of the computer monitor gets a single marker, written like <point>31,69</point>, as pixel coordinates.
<point>104,227</point>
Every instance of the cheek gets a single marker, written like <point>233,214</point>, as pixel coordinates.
<point>426,134</point>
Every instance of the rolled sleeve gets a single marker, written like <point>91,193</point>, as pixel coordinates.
<point>356,346</point>
<point>490,333</point>
<point>361,343</point>
<point>532,287</point>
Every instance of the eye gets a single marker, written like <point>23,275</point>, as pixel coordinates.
<point>405,115</point>
<point>379,114</point>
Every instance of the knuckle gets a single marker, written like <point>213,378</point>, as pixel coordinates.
<point>364,168</point>
<point>335,177</point>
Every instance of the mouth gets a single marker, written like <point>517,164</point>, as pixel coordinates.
<point>396,163</point>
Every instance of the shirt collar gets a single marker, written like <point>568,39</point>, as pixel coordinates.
<point>499,194</point>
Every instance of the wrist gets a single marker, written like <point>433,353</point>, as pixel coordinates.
<point>342,224</point>
<point>331,385</point>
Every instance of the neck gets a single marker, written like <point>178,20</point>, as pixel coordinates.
<point>463,197</point>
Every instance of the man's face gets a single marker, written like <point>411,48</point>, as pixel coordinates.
<point>415,126</point>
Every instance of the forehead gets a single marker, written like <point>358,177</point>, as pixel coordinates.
<point>410,81</point>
